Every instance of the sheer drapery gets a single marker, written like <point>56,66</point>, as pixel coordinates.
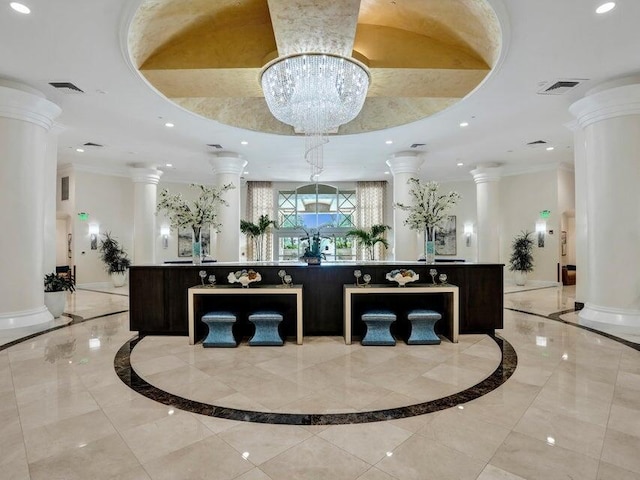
<point>371,202</point>
<point>260,202</point>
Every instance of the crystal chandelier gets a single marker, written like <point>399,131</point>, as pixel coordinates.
<point>315,93</point>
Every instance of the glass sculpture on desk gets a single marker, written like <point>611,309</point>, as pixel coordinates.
<point>203,275</point>
<point>433,272</point>
<point>443,278</point>
<point>212,280</point>
<point>367,280</point>
<point>286,279</point>
<point>357,274</point>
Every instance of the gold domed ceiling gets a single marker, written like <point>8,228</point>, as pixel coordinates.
<point>207,56</point>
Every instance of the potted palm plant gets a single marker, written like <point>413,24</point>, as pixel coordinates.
<point>369,238</point>
<point>521,261</point>
<point>256,232</point>
<point>115,259</point>
<point>55,292</point>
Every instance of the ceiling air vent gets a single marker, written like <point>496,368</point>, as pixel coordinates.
<point>214,145</point>
<point>91,144</point>
<point>417,145</point>
<point>559,86</point>
<point>66,87</point>
<point>536,143</point>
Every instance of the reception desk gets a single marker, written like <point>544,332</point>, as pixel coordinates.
<point>158,294</point>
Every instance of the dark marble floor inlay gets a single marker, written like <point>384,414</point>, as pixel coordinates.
<point>501,374</point>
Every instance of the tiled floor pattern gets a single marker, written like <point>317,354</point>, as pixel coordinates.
<point>570,411</point>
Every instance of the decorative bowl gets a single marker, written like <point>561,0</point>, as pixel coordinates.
<point>402,276</point>
<point>244,277</point>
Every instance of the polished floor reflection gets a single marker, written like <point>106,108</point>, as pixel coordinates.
<point>571,409</point>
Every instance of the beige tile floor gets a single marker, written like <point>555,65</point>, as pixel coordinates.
<point>570,411</point>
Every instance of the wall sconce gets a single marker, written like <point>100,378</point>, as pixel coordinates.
<point>94,231</point>
<point>468,231</point>
<point>541,227</point>
<point>165,231</point>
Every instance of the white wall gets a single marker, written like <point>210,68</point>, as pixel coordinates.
<point>108,200</point>
<point>522,198</point>
<point>465,212</point>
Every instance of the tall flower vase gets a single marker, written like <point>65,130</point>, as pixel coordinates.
<point>196,247</point>
<point>430,245</point>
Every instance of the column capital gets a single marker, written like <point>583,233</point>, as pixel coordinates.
<point>608,100</point>
<point>27,104</point>
<point>147,175</point>
<point>486,173</point>
<point>405,162</point>
<point>228,162</point>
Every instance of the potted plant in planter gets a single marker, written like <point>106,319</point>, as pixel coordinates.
<point>55,292</point>
<point>369,238</point>
<point>521,261</point>
<point>343,248</point>
<point>115,259</point>
<point>256,232</point>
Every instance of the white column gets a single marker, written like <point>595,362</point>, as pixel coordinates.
<point>49,194</point>
<point>25,118</point>
<point>609,115</point>
<point>145,187</point>
<point>581,237</point>
<point>227,168</point>
<point>488,207</point>
<point>403,166</point>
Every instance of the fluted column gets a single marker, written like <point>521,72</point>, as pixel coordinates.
<point>403,166</point>
<point>227,167</point>
<point>25,118</point>
<point>145,189</point>
<point>488,209</point>
<point>610,119</point>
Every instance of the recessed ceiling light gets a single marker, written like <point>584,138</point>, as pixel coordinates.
<point>386,173</point>
<point>549,149</point>
<point>464,124</point>
<point>245,173</point>
<point>169,125</point>
<point>20,8</point>
<point>460,164</point>
<point>169,165</point>
<point>389,142</point>
<point>244,142</point>
<point>606,7</point>
<point>80,150</point>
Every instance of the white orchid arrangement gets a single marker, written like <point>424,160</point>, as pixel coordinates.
<point>430,208</point>
<point>202,212</point>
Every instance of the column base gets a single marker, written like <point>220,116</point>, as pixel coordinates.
<point>25,318</point>
<point>612,320</point>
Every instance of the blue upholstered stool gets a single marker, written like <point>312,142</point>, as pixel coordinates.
<point>422,331</point>
<point>220,329</point>
<point>378,328</point>
<point>266,329</point>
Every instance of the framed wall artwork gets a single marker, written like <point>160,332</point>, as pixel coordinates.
<point>184,242</point>
<point>563,243</point>
<point>446,238</point>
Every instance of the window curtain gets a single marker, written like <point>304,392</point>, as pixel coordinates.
<point>260,202</point>
<point>371,198</point>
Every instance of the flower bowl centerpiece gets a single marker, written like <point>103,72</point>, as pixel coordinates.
<point>244,277</point>
<point>402,276</point>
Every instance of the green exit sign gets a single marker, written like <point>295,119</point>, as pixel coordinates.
<point>83,217</point>
<point>545,213</point>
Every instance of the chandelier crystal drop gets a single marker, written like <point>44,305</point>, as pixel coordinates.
<point>315,92</point>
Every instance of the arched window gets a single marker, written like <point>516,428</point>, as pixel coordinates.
<point>316,208</point>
